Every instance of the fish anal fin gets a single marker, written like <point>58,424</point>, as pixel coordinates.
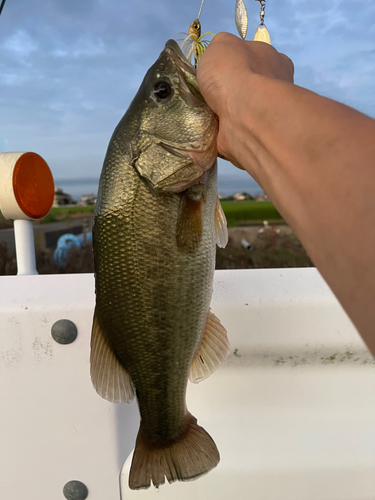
<point>212,351</point>
<point>110,379</point>
<point>221,229</point>
<point>190,223</point>
<point>188,457</point>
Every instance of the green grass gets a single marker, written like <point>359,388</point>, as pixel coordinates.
<point>57,214</point>
<point>241,211</point>
<point>235,212</point>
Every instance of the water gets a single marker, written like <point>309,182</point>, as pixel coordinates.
<point>77,187</point>
<point>227,185</point>
<point>242,183</point>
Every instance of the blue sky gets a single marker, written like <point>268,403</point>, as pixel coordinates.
<point>69,68</point>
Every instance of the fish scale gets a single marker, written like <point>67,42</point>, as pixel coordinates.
<point>149,278</point>
<point>154,239</point>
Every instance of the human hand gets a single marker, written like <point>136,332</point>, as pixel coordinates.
<point>227,64</point>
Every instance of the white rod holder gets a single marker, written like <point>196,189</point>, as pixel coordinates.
<point>25,248</point>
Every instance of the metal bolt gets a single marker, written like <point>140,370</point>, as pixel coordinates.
<point>75,490</point>
<point>64,331</point>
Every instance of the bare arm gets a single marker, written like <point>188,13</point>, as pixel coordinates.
<point>314,157</point>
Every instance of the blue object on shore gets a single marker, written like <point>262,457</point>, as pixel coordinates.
<point>65,243</point>
<point>85,237</point>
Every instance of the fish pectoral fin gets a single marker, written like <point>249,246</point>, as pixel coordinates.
<point>212,352</point>
<point>190,223</point>
<point>110,379</point>
<point>221,229</point>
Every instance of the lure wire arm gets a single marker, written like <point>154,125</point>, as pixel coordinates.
<point>2,6</point>
<point>200,10</point>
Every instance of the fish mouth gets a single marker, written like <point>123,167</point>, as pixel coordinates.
<point>173,46</point>
<point>189,89</point>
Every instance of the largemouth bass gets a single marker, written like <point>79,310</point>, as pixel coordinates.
<point>157,220</point>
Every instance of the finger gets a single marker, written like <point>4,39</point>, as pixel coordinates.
<point>289,66</point>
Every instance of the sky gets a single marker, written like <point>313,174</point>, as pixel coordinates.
<point>70,68</point>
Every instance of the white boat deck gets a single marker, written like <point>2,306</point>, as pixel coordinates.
<point>292,410</point>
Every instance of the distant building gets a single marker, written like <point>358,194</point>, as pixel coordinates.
<point>239,197</point>
<point>87,199</point>
<point>261,197</point>
<point>62,198</point>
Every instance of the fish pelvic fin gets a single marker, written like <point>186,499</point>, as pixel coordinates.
<point>110,379</point>
<point>192,455</point>
<point>212,351</point>
<point>221,230</point>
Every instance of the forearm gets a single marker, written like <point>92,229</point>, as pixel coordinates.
<point>315,159</point>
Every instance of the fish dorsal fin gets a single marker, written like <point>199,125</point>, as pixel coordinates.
<point>221,229</point>
<point>212,352</point>
<point>110,379</point>
<point>190,223</point>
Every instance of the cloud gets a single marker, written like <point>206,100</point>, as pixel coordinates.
<point>84,46</point>
<point>20,44</point>
<point>69,69</point>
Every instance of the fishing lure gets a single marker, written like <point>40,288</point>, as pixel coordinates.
<point>193,44</point>
<point>262,34</point>
<point>241,19</point>
<point>240,16</point>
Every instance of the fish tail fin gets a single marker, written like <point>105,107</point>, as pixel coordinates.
<point>192,455</point>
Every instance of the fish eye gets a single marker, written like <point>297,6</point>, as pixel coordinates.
<point>162,90</point>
